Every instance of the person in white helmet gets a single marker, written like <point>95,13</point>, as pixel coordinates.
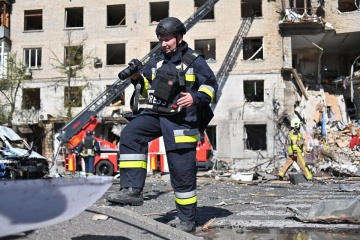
<point>295,149</point>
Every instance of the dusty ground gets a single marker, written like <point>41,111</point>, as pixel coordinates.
<point>237,208</point>
<point>244,205</point>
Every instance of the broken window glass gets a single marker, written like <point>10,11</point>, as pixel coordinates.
<point>252,48</point>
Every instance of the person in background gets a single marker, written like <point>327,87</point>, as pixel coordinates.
<point>88,148</point>
<point>295,150</point>
<point>355,142</point>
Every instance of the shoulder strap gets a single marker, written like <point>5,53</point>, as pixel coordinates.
<point>190,56</point>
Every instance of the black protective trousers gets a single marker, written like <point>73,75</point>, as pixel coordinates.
<point>181,158</point>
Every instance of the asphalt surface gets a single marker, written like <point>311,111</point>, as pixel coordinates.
<point>239,206</point>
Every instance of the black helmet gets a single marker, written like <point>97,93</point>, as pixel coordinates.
<point>170,25</point>
<point>89,132</point>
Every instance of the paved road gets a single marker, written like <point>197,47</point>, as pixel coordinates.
<point>242,206</point>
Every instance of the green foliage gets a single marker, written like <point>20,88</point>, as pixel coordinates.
<point>10,85</point>
<point>71,67</point>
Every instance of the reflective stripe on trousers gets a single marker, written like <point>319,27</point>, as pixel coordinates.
<point>133,161</point>
<point>185,198</point>
<point>186,135</point>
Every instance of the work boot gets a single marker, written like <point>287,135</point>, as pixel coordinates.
<point>130,196</point>
<point>187,226</point>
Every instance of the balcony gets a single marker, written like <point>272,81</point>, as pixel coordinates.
<point>301,22</point>
<point>4,32</point>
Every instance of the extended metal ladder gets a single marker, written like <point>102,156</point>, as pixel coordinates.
<point>232,54</point>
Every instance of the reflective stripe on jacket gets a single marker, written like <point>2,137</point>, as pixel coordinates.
<point>296,142</point>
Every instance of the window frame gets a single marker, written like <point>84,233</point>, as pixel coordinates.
<point>199,46</point>
<point>33,15</point>
<point>250,56</point>
<point>257,127</point>
<point>109,14</point>
<point>247,84</point>
<point>28,101</point>
<point>121,54</point>
<point>28,58</point>
<point>74,17</point>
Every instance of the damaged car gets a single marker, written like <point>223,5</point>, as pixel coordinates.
<point>17,159</point>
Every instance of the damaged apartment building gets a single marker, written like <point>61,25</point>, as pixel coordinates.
<point>273,59</point>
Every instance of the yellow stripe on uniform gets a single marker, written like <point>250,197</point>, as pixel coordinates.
<point>133,164</point>
<point>186,201</point>
<point>207,90</point>
<point>186,139</point>
<point>133,161</point>
<point>185,198</point>
<point>190,77</point>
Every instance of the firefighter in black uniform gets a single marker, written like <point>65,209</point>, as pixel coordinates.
<point>181,87</point>
<point>88,148</point>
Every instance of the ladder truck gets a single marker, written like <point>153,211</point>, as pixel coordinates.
<point>107,163</point>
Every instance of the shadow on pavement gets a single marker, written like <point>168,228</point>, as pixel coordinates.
<point>94,237</point>
<point>204,214</point>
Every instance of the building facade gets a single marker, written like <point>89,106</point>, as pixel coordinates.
<point>255,47</point>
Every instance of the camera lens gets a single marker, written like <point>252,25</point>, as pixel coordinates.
<point>124,74</point>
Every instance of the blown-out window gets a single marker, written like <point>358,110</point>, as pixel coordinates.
<point>254,90</point>
<point>33,20</point>
<point>115,53</point>
<point>253,48</point>
<point>74,17</point>
<point>251,8</point>
<point>116,15</point>
<point>158,11</point>
<point>198,4</point>
<point>207,47</point>
<point>255,137</point>
<point>31,98</point>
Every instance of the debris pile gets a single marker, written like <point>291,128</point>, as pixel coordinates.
<point>333,154</point>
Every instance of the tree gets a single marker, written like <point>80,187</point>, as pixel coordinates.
<point>10,85</point>
<point>71,67</point>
